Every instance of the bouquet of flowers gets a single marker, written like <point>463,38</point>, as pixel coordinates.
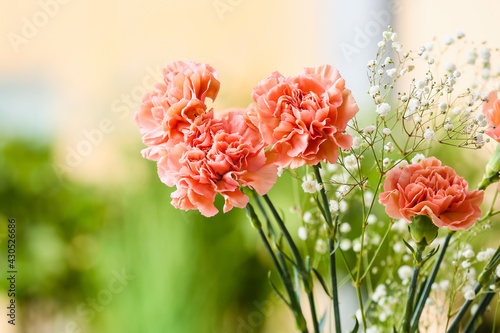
<point>368,188</point>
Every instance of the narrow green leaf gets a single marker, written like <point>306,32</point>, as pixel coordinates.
<point>278,292</point>
<point>322,282</point>
<point>356,325</point>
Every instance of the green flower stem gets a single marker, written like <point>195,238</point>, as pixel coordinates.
<point>413,288</point>
<point>306,276</point>
<point>485,301</point>
<point>427,288</point>
<point>331,242</point>
<point>484,279</point>
<point>280,265</point>
<point>463,310</point>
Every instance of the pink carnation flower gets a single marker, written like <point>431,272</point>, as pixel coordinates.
<point>168,111</point>
<point>427,188</point>
<point>217,156</point>
<point>304,117</point>
<point>491,110</point>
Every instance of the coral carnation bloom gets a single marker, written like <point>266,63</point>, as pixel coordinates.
<point>491,110</point>
<point>175,103</point>
<point>304,117</point>
<point>217,156</point>
<point>427,188</point>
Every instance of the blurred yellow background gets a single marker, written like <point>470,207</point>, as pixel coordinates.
<point>89,208</point>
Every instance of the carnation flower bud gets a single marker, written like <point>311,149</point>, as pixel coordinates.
<point>254,220</point>
<point>492,169</point>
<point>422,230</point>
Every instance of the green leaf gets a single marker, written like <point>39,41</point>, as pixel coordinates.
<point>410,248</point>
<point>322,322</point>
<point>356,326</point>
<point>322,282</point>
<point>278,292</point>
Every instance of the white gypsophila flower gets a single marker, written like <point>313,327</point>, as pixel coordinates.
<point>386,162</point>
<point>468,254</point>
<point>302,232</point>
<point>466,264</point>
<point>383,109</point>
<point>456,110</point>
<point>413,107</point>
<point>343,190</point>
<point>485,73</point>
<point>334,206</point>
<point>448,40</point>
<point>479,140</point>
<point>449,66</point>
<point>372,219</point>
<point>389,147</point>
<point>417,158</point>
<point>425,102</point>
<point>280,171</point>
<point>457,73</point>
<point>398,247</point>
<point>321,246</point>
<point>483,256</point>
<point>379,293</point>
<point>420,84</point>
<point>400,225</point>
<point>374,90</point>
<point>391,72</point>
<point>368,197</point>
<point>356,142</point>
<point>485,55</point>
<point>444,285</point>
<point>372,63</point>
<point>387,131</point>
<point>491,251</point>
<point>429,46</point>
<point>351,162</point>
<point>369,129</point>
<point>471,57</point>
<point>429,134</point>
<point>343,206</point>
<point>460,34</point>
<point>430,301</point>
<point>311,186</point>
<point>397,46</point>
<point>345,244</point>
<point>424,55</point>
<point>417,119</point>
<point>307,217</point>
<point>449,127</point>
<point>356,245</point>
<point>443,106</point>
<point>388,61</point>
<point>405,272</point>
<point>469,295</point>
<point>381,43</point>
<point>430,61</point>
<point>387,35</point>
<point>332,167</point>
<point>345,227</point>
<point>401,163</point>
